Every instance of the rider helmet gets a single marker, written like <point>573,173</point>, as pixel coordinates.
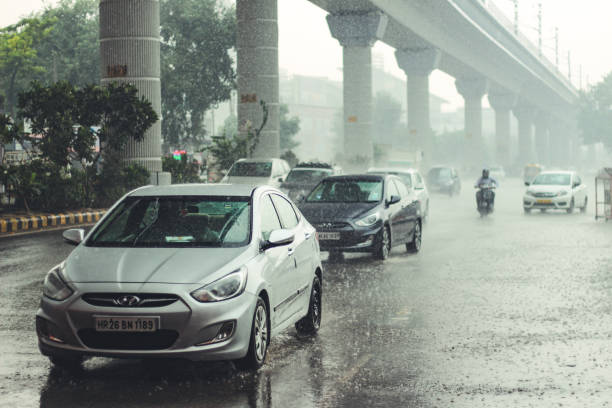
<point>485,173</point>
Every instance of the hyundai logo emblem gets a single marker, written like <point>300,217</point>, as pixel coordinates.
<point>127,300</point>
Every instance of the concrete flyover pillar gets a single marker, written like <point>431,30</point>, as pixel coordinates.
<point>129,50</point>
<point>418,63</point>
<point>257,72</point>
<point>473,89</point>
<point>560,143</point>
<point>524,114</point>
<point>357,33</point>
<point>542,145</point>
<point>502,102</point>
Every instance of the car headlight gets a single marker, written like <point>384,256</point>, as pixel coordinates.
<point>562,193</point>
<point>368,220</point>
<point>54,286</point>
<point>530,193</point>
<point>229,286</point>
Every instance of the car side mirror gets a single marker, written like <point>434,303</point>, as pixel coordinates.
<point>73,236</point>
<point>393,200</point>
<point>527,183</point>
<point>280,180</point>
<point>278,238</point>
<point>576,185</point>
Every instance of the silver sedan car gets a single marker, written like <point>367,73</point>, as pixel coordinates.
<point>201,272</point>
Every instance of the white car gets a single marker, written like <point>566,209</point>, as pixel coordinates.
<point>413,180</point>
<point>556,190</point>
<point>193,271</point>
<point>258,172</point>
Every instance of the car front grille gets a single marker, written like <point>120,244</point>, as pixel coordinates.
<point>544,194</point>
<point>331,225</point>
<point>144,299</point>
<point>158,340</point>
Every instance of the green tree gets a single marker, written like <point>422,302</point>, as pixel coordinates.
<point>289,127</point>
<point>595,113</point>
<point>71,52</point>
<point>197,68</point>
<point>18,56</point>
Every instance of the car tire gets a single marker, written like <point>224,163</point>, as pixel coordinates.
<point>584,207</point>
<point>542,210</point>
<point>527,210</point>
<point>311,323</point>
<point>383,246</point>
<point>415,245</point>
<point>426,213</point>
<point>259,340</point>
<point>571,207</point>
<point>73,364</point>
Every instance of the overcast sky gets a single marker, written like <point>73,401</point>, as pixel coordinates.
<point>306,46</point>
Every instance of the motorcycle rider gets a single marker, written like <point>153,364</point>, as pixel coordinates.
<point>485,180</point>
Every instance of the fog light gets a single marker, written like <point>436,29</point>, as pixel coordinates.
<point>225,332</point>
<point>47,329</point>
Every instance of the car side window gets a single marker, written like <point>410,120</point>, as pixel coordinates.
<point>392,190</point>
<point>286,212</point>
<point>269,217</point>
<point>401,187</point>
<point>419,180</point>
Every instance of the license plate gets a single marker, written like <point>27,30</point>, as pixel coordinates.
<point>327,236</point>
<point>543,201</point>
<point>126,324</point>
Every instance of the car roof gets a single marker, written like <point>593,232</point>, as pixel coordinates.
<point>391,170</point>
<point>312,168</point>
<point>194,189</point>
<point>373,177</point>
<point>256,160</point>
<point>558,172</point>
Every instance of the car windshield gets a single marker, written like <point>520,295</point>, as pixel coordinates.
<point>306,175</point>
<point>552,179</point>
<point>176,222</point>
<point>251,169</point>
<point>405,177</point>
<point>347,191</point>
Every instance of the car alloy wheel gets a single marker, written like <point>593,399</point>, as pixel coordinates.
<point>311,323</point>
<point>258,344</point>
<point>415,245</point>
<point>584,207</point>
<point>384,246</point>
<point>571,207</point>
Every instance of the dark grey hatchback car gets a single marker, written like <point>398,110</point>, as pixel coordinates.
<point>364,213</point>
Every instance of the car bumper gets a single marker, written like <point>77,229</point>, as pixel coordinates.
<point>352,238</point>
<point>67,328</point>
<point>554,203</point>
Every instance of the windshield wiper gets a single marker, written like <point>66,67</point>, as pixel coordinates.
<point>146,228</point>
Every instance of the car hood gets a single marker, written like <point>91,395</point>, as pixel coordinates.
<point>151,265</point>
<point>326,212</point>
<point>543,188</point>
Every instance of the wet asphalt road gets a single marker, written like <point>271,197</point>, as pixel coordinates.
<point>511,310</point>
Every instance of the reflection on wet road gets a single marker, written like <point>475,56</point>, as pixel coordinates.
<point>510,310</point>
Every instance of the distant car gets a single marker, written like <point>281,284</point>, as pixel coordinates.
<point>556,190</point>
<point>303,177</point>
<point>497,172</point>
<point>413,180</point>
<point>257,172</point>
<point>443,179</point>
<point>193,271</point>
<point>364,213</point>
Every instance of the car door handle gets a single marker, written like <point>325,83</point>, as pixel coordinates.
<point>290,251</point>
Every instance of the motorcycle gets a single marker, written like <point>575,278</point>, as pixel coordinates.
<point>485,198</point>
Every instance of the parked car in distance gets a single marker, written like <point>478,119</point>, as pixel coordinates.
<point>497,172</point>
<point>194,271</point>
<point>257,172</point>
<point>303,177</point>
<point>443,179</point>
<point>413,180</point>
<point>364,213</point>
<point>556,190</point>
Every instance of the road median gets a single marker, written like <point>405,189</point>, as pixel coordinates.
<point>18,223</point>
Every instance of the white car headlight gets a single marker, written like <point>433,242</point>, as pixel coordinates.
<point>229,286</point>
<point>530,193</point>
<point>562,193</point>
<point>368,220</point>
<point>54,286</point>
